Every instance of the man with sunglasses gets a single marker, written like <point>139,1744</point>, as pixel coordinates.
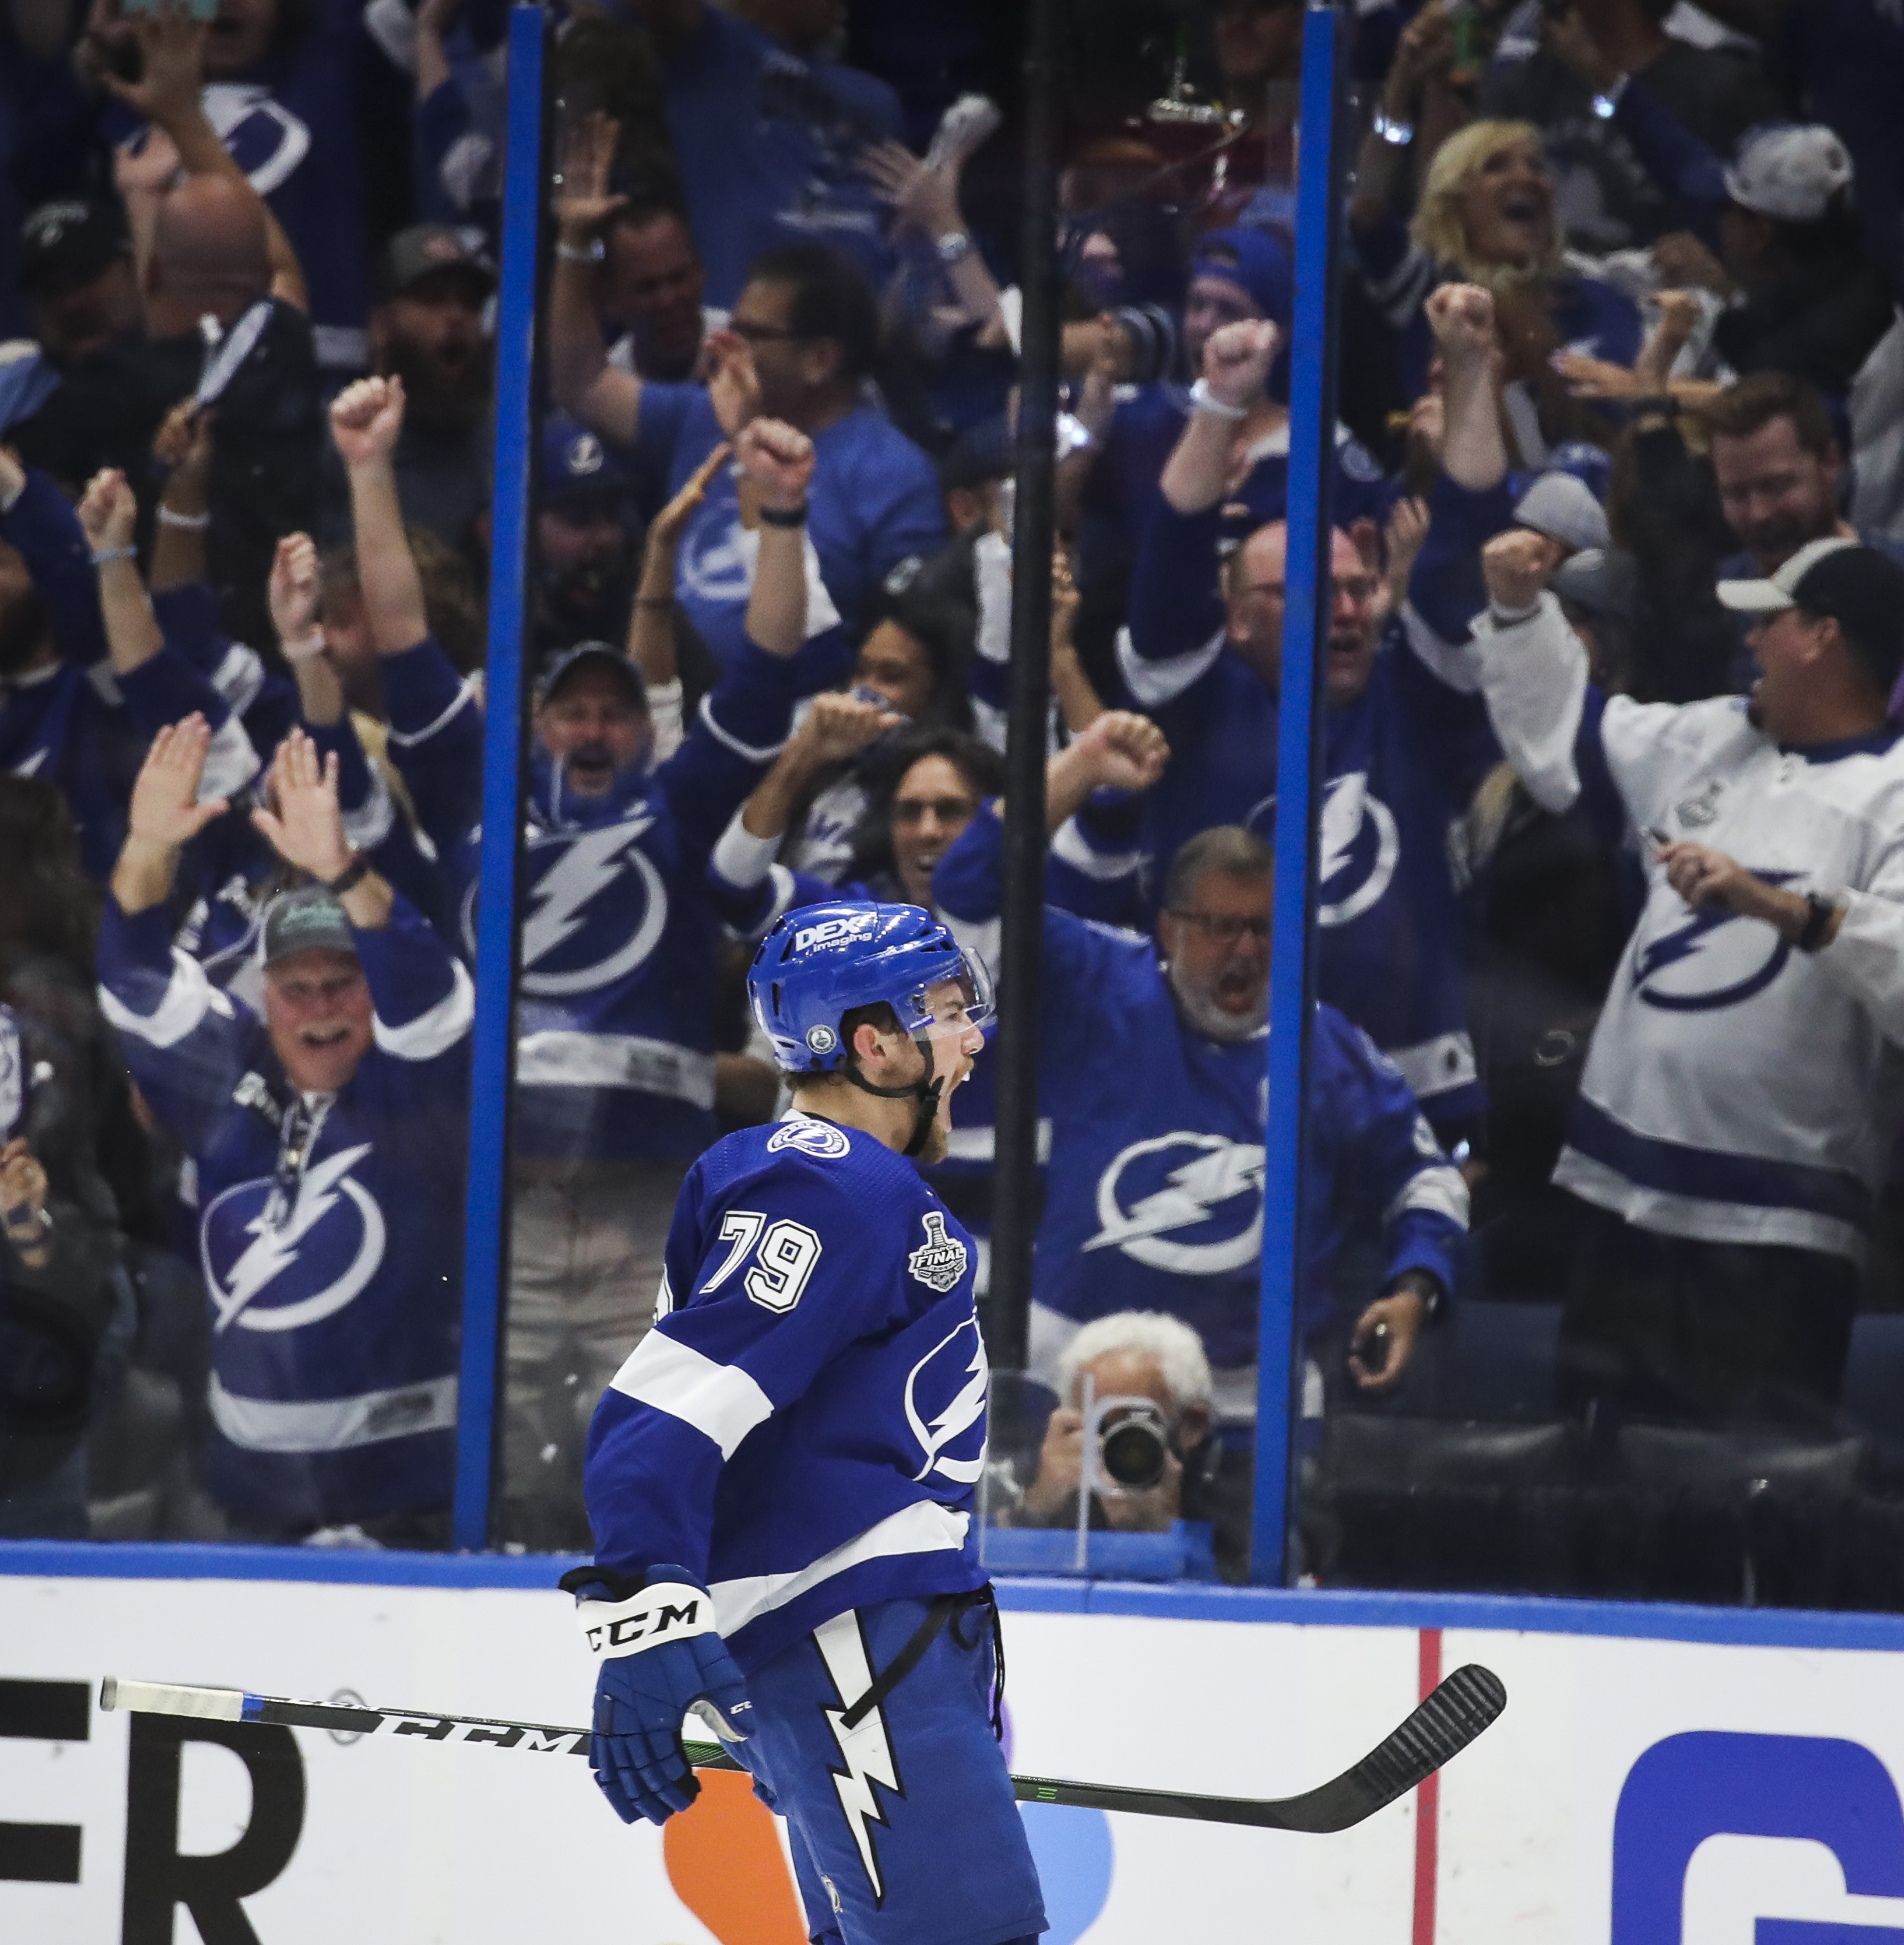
<point>1402,751</point>
<point>1153,1070</point>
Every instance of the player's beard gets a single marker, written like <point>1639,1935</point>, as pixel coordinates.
<point>938,1142</point>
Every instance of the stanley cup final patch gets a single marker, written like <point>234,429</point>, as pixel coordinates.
<point>940,1260</point>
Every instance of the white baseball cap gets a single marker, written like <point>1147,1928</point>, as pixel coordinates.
<point>1780,591</point>
<point>1789,174</point>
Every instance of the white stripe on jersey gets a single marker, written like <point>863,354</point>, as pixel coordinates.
<point>721,1401</point>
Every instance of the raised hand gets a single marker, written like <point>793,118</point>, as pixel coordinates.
<point>305,826</point>
<point>1236,361</point>
<point>1681,259</point>
<point>665,529</point>
<point>1064,601</point>
<point>733,384</point>
<point>165,812</point>
<point>1676,318</point>
<point>108,512</point>
<point>584,203</point>
<point>144,164</point>
<point>23,1200</point>
<point>366,419</point>
<point>1515,565</point>
<point>1403,537</point>
<point>171,48</point>
<point>924,199</point>
<point>1123,750</point>
<point>838,726</point>
<point>1461,317</point>
<point>779,461</point>
<point>292,590</point>
<point>183,439</point>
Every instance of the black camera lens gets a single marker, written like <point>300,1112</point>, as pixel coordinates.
<point>1132,1453</point>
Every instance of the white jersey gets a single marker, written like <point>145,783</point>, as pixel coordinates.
<point>1737,1090</point>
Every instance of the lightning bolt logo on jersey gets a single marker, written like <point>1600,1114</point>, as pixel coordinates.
<point>597,908</point>
<point>267,1273</point>
<point>1708,959</point>
<point>1191,1204</point>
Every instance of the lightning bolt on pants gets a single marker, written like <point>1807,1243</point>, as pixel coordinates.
<point>903,1828</point>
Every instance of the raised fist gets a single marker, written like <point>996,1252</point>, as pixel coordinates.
<point>1461,317</point>
<point>292,590</point>
<point>1236,361</point>
<point>109,511</point>
<point>778,460</point>
<point>365,420</point>
<point>838,726</point>
<point>1515,565</point>
<point>1125,750</point>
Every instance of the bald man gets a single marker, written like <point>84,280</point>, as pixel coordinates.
<point>209,255</point>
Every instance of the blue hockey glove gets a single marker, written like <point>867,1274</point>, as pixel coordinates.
<point>661,1659</point>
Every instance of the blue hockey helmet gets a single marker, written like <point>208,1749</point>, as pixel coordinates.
<point>819,963</point>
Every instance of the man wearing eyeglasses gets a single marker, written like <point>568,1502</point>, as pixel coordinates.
<point>1152,1069</point>
<point>799,347</point>
<point>1402,751</point>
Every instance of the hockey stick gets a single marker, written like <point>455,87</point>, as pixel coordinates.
<point>1438,1730</point>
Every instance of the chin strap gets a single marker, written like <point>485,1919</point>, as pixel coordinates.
<point>925,1090</point>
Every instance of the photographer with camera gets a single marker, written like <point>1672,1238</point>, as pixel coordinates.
<point>1136,1417</point>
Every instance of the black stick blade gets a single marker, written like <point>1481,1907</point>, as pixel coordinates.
<point>1439,1729</point>
<point>1458,1710</point>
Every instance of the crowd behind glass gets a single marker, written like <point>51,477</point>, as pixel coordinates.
<point>1601,1290</point>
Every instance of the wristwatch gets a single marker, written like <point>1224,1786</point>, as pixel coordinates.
<point>1427,1288</point>
<point>350,878</point>
<point>1819,912</point>
<point>788,516</point>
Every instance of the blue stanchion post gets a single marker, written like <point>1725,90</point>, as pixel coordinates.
<point>1305,641</point>
<point>485,1229</point>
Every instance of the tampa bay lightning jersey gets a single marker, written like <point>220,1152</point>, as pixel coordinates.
<point>615,1023</point>
<point>333,1280</point>
<point>1156,1170</point>
<point>804,1428</point>
<point>1399,763</point>
<point>1736,1090</point>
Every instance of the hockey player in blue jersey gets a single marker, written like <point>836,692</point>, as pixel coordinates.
<point>1402,752</point>
<point>326,1139</point>
<point>1153,1076</point>
<point>781,1477</point>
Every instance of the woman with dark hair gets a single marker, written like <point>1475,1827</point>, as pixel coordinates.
<point>74,1165</point>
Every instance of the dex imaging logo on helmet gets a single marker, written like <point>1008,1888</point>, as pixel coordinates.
<point>1188,1204</point>
<point>1817,1790</point>
<point>831,932</point>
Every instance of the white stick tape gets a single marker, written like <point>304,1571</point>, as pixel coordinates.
<point>158,1698</point>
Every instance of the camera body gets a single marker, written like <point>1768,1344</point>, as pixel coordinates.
<point>1132,1439</point>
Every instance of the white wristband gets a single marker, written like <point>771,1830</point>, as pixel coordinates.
<point>190,523</point>
<point>1202,400</point>
<point>667,1612</point>
<point>304,647</point>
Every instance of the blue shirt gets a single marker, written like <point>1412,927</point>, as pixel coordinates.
<point>873,501</point>
<point>769,144</point>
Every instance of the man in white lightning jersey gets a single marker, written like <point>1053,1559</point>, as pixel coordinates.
<point>1744,1080</point>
